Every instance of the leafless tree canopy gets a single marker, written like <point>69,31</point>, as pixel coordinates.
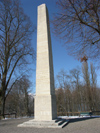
<point>78,21</point>
<point>15,42</point>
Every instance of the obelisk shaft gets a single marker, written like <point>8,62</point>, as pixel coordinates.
<point>45,100</point>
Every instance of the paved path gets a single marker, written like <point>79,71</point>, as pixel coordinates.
<point>80,126</point>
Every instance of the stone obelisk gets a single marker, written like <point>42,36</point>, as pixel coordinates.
<point>45,99</point>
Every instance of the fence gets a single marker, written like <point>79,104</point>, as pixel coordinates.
<point>9,115</point>
<point>76,113</point>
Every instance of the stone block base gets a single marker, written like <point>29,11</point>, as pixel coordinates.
<point>45,108</point>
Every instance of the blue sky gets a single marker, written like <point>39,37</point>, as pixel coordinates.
<point>61,59</point>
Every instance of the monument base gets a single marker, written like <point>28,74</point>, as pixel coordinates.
<point>58,123</point>
<point>45,108</point>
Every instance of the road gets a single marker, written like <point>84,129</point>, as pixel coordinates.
<point>75,126</point>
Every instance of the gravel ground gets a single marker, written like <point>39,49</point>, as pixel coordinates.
<point>75,126</point>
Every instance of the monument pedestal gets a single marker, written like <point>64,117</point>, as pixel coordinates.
<point>45,108</point>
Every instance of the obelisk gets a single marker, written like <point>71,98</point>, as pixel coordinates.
<point>45,99</point>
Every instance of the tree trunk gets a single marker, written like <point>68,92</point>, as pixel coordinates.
<point>3,106</point>
<point>3,100</point>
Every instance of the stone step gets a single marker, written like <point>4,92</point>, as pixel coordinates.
<point>63,122</point>
<point>58,123</point>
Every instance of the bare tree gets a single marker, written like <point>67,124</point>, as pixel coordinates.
<point>25,84</point>
<point>93,76</point>
<point>75,73</point>
<point>15,44</point>
<point>60,101</point>
<point>78,21</point>
<point>94,86</point>
<point>68,99</point>
<point>63,78</point>
<point>86,76</point>
<point>18,99</point>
